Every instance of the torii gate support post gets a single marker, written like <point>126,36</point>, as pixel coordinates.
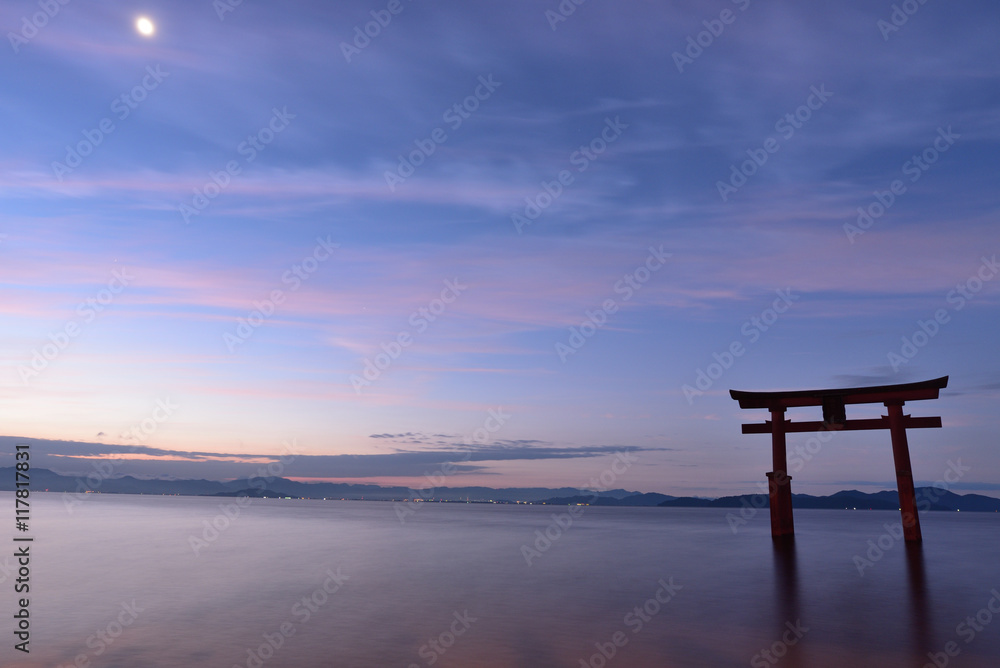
<point>779,483</point>
<point>904,472</point>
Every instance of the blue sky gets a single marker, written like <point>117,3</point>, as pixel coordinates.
<point>598,210</point>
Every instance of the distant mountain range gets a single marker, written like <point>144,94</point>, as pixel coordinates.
<point>46,480</point>
<point>937,499</point>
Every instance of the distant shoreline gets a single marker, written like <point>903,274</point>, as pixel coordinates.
<point>943,501</point>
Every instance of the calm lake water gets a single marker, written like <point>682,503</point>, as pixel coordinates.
<point>118,583</point>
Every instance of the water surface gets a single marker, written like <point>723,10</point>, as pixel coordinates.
<point>457,574</point>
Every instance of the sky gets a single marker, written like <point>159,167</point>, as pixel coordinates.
<point>375,237</point>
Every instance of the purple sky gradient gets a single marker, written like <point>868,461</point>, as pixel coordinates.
<point>165,330</point>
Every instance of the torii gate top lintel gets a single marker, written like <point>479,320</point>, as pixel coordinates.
<point>925,389</point>
<point>833,402</point>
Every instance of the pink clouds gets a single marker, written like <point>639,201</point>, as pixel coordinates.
<point>556,283</point>
<point>170,457</point>
<point>261,190</point>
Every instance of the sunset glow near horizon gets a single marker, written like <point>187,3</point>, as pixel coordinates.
<point>387,236</point>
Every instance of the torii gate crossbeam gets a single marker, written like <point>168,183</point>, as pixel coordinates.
<point>833,402</point>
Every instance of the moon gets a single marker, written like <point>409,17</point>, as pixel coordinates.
<point>145,26</point>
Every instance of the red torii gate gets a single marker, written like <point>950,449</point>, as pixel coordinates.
<point>835,419</point>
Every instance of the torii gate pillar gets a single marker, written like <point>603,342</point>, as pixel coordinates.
<point>835,419</point>
<point>904,473</point>
<point>779,483</point>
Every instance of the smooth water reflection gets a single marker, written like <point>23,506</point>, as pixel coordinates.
<point>452,584</point>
